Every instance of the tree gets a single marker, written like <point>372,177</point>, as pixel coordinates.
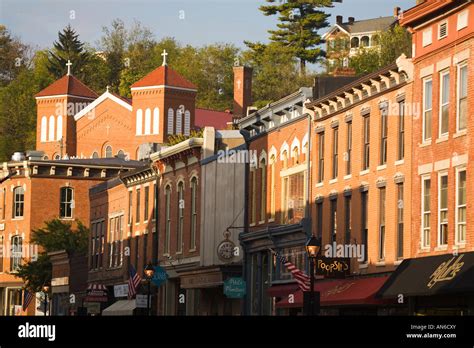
<point>13,56</point>
<point>392,43</point>
<point>68,47</point>
<point>275,72</point>
<point>54,236</point>
<point>300,21</point>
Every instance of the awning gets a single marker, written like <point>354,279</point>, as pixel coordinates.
<point>93,287</point>
<point>356,291</point>
<point>282,290</point>
<point>96,293</point>
<point>432,275</point>
<point>122,307</point>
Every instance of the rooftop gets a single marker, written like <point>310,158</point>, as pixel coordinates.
<point>68,84</point>
<point>163,76</point>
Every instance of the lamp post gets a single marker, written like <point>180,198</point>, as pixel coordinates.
<point>149,272</point>
<point>45,291</point>
<point>313,246</point>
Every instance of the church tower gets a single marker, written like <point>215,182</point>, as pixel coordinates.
<point>56,106</point>
<point>163,104</point>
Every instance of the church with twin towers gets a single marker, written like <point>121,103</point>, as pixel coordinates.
<point>73,121</point>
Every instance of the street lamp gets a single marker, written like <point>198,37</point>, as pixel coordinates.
<point>149,272</point>
<point>45,291</point>
<point>313,246</point>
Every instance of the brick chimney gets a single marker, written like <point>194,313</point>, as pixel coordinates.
<point>351,20</point>
<point>242,90</point>
<point>338,19</point>
<point>396,12</point>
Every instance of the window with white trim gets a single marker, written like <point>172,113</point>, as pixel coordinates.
<point>425,211</point>
<point>147,121</point>
<point>461,121</point>
<point>263,198</point>
<point>180,226</point>
<point>194,198</point>
<point>187,122</point>
<point>463,19</point>
<point>461,206</point>
<point>18,202</point>
<point>443,209</point>
<point>167,219</point>
<point>382,221</point>
<point>59,126</point>
<point>444,103</point>
<point>156,120</point>
<point>427,37</point>
<point>272,187</point>
<point>427,108</point>
<point>16,252</point>
<point>51,129</point>
<point>44,129</point>
<point>66,206</point>
<point>179,120</point>
<point>442,30</point>
<point>139,122</point>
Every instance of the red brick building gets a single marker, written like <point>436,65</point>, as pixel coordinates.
<point>438,280</point>
<point>33,191</point>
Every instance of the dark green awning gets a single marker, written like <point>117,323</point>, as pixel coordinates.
<point>432,275</point>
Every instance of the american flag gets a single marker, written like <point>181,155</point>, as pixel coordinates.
<point>27,297</point>
<point>133,282</point>
<point>301,278</point>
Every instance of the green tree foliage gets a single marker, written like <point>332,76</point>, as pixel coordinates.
<point>54,236</point>
<point>393,43</point>
<point>299,22</point>
<point>275,72</point>
<point>13,56</point>
<point>68,47</point>
<point>177,138</point>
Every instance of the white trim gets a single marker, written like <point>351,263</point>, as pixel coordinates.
<point>99,100</point>
<point>442,75</point>
<point>439,29</point>
<point>422,234</point>
<point>163,86</point>
<point>438,227</point>
<point>425,81</point>
<point>456,207</point>
<point>459,66</point>
<point>63,96</point>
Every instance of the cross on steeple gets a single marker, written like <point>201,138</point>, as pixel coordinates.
<point>68,64</point>
<point>164,54</point>
<point>108,88</point>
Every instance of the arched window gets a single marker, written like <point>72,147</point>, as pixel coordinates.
<point>194,198</point>
<point>45,157</point>
<point>44,126</point>
<point>365,41</point>
<point>263,198</point>
<point>139,121</point>
<point>16,253</point>
<point>108,151</point>
<point>179,237</point>
<point>295,154</point>
<point>253,195</point>
<point>285,159</point>
<point>187,122</point>
<point>156,120</point>
<point>56,157</point>
<point>179,120</point>
<point>59,130</point>
<point>167,219</point>
<point>95,154</point>
<point>272,187</point>
<point>51,128</point>
<point>67,203</point>
<point>18,202</point>
<point>170,121</point>
<point>147,121</point>
<point>354,42</point>
<point>121,154</point>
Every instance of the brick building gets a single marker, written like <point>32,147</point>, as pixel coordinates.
<point>442,195</point>
<point>33,191</point>
<point>155,212</point>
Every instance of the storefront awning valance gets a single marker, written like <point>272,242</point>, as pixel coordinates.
<point>432,275</point>
<point>357,291</point>
<point>282,290</point>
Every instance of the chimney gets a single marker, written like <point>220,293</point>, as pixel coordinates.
<point>242,90</point>
<point>351,20</point>
<point>338,19</point>
<point>396,12</point>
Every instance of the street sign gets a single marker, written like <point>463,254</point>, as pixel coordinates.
<point>235,288</point>
<point>121,290</point>
<point>160,276</point>
<point>141,301</point>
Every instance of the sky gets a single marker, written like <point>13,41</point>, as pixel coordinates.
<point>195,22</point>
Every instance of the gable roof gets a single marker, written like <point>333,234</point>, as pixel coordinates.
<point>367,25</point>
<point>163,76</point>
<point>68,84</point>
<point>107,95</point>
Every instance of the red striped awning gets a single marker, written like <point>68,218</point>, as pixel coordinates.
<point>92,287</point>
